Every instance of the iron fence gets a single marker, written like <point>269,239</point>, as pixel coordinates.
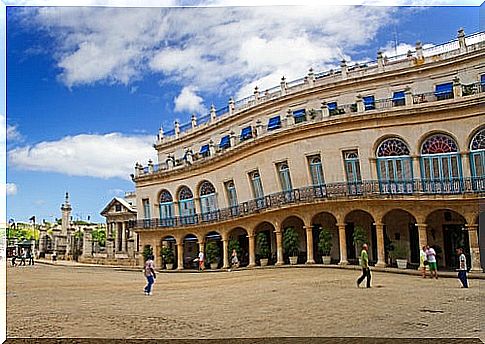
<point>317,193</point>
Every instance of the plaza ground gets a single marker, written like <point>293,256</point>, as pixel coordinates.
<point>72,301</point>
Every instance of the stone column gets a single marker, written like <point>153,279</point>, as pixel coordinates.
<point>465,163</point>
<point>131,248</point>
<point>225,252</point>
<point>423,236</point>
<point>408,96</point>
<point>381,255</point>
<point>156,253</point>
<point>290,120</point>
<point>259,128</point>
<point>360,104</point>
<point>233,138</point>
<point>252,251</point>
<point>279,248</point>
<point>123,236</point>
<point>343,66</point>
<point>42,241</point>
<point>342,244</point>
<point>457,90</point>
<point>380,61</point>
<point>373,168</point>
<point>283,86</point>
<point>474,248</point>
<point>110,247</point>
<point>180,256</point>
<point>325,111</point>
<point>87,243</point>
<point>309,244</point>
<point>213,113</point>
<point>231,106</point>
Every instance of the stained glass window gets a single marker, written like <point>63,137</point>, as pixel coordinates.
<point>185,193</point>
<point>207,188</point>
<point>439,143</point>
<point>165,197</point>
<point>392,147</point>
<point>478,141</point>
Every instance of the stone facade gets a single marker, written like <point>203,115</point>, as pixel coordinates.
<point>396,148</point>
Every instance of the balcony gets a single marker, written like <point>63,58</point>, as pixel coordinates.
<point>311,116</point>
<point>334,191</point>
<point>444,51</point>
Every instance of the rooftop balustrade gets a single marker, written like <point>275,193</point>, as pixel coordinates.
<point>333,191</point>
<point>462,44</point>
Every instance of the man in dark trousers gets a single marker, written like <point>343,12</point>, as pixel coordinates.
<point>365,266</point>
<point>149,271</point>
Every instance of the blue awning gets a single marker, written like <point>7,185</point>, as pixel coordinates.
<point>332,106</point>
<point>482,79</point>
<point>225,142</point>
<point>246,133</point>
<point>274,123</point>
<point>444,89</point>
<point>299,113</point>
<point>204,149</point>
<point>368,100</point>
<point>398,95</point>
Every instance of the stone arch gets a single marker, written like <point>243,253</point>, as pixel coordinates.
<point>476,136</point>
<point>239,235</point>
<point>298,224</point>
<point>364,219</point>
<point>328,221</point>
<point>169,241</point>
<point>205,187</point>
<point>268,229</point>
<point>446,231</point>
<point>214,239</point>
<point>191,250</point>
<point>400,228</point>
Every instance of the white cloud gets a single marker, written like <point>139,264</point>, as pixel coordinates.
<point>216,50</point>
<point>188,100</point>
<point>13,134</point>
<point>103,156</point>
<point>11,189</point>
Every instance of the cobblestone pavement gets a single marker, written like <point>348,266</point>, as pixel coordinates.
<point>70,301</point>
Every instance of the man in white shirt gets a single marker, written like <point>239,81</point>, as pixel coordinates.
<point>462,269</point>
<point>431,255</point>
<point>201,261</point>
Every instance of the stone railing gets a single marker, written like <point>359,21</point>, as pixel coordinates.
<point>311,116</point>
<point>439,52</point>
<point>332,191</point>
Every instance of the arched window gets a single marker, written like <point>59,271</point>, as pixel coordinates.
<point>394,166</point>
<point>186,205</point>
<point>208,204</point>
<point>477,159</point>
<point>166,209</point>
<point>441,165</point>
<point>257,188</point>
<point>231,195</point>
<point>284,174</point>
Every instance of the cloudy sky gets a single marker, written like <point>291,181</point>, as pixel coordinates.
<point>88,87</point>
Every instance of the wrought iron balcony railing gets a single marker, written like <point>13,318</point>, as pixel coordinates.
<point>309,194</point>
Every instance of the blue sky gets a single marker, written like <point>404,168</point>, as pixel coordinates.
<point>88,88</point>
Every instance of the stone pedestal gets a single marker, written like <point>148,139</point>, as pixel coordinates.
<point>110,249</point>
<point>131,248</point>
<point>87,243</point>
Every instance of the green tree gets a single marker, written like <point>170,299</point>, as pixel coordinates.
<point>325,242</point>
<point>212,251</point>
<point>290,241</point>
<point>262,245</point>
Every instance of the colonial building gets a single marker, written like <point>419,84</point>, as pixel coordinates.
<point>121,241</point>
<point>395,146</point>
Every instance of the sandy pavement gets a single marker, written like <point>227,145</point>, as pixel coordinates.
<point>62,301</point>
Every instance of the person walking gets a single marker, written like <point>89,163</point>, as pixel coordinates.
<point>463,268</point>
<point>150,275</point>
<point>423,261</point>
<point>431,256</point>
<point>364,256</point>
<point>201,261</point>
<point>234,260</point>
